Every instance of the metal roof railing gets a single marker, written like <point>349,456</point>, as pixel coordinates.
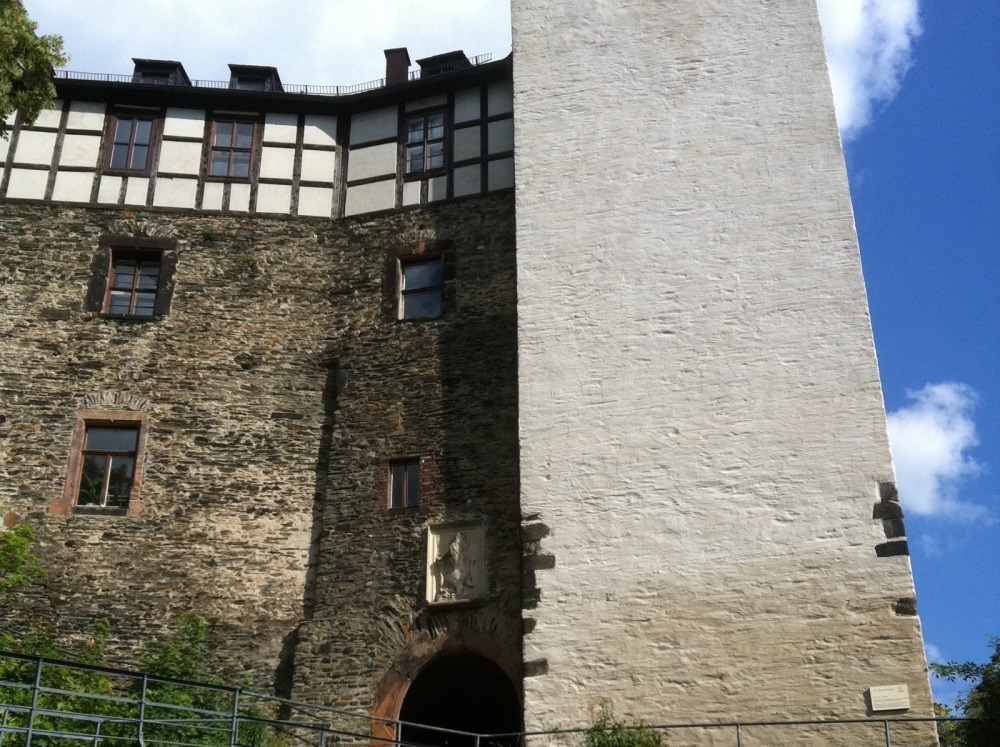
<point>308,90</point>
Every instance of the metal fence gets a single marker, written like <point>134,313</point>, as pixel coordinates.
<point>51,703</point>
<point>309,90</point>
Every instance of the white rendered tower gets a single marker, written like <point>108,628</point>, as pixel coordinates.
<point>706,485</point>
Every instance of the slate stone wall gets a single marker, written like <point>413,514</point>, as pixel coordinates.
<point>277,388</point>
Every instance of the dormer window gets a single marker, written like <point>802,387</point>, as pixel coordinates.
<point>254,78</point>
<point>160,72</point>
<point>440,64</point>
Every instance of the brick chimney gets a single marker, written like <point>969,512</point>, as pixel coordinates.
<point>397,66</point>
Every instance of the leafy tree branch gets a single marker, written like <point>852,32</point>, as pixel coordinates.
<point>27,62</point>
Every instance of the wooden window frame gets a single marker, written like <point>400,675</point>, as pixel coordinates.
<point>67,503</point>
<point>424,143</point>
<point>402,292</point>
<point>251,151</point>
<point>139,249</point>
<point>400,469</point>
<point>156,127</point>
<point>140,260</point>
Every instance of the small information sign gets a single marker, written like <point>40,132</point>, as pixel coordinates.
<point>889,698</point>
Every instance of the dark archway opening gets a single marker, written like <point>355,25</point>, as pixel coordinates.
<point>465,693</point>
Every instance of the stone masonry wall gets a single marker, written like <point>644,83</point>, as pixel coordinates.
<point>701,425</point>
<point>248,458</point>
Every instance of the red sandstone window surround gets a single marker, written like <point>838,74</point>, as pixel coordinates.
<point>104,473</point>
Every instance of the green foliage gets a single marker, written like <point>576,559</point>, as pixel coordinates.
<point>71,696</point>
<point>608,731</point>
<point>173,712</point>
<point>17,563</point>
<point>948,731</point>
<point>185,656</point>
<point>981,704</point>
<point>26,64</point>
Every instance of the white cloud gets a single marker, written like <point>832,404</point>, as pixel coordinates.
<point>317,42</point>
<point>934,654</point>
<point>320,42</point>
<point>930,440</point>
<point>869,49</point>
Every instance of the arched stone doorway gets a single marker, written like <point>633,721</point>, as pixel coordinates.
<point>464,692</point>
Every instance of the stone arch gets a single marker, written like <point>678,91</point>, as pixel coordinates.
<point>441,657</point>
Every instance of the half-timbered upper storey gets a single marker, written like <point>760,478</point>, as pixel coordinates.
<point>157,139</point>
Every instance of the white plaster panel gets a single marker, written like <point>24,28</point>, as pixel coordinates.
<point>437,188</point>
<point>375,160</point>
<point>4,147</point>
<point>73,186</point>
<point>500,136</point>
<point>427,102</point>
<point>86,115</point>
<point>212,196</point>
<point>316,201</point>
<point>109,189</point>
<point>179,158</point>
<point>184,122</point>
<point>700,418</point>
<point>500,174</point>
<point>367,198</point>
<point>466,143</point>
<point>280,128</point>
<point>175,192</point>
<point>80,150</point>
<point>274,198</point>
<point>318,165</point>
<point>35,147</point>
<point>277,163</point>
<point>239,198</point>
<point>49,117</point>
<point>411,193</point>
<point>320,130</point>
<point>467,105</point>
<point>376,124</point>
<point>468,180</point>
<point>136,190</point>
<point>499,98</point>
<point>27,184</point>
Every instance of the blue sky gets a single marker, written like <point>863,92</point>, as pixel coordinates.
<point>916,84</point>
<point>925,180</point>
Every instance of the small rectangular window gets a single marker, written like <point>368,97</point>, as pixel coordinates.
<point>108,466</point>
<point>105,464</point>
<point>425,143</point>
<point>130,143</point>
<point>133,287</point>
<point>404,484</point>
<point>133,284</point>
<point>132,277</point>
<point>420,288</point>
<point>231,154</point>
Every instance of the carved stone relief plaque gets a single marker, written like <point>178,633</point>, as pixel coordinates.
<point>456,563</point>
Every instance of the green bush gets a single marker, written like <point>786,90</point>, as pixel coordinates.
<point>607,731</point>
<point>174,712</point>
